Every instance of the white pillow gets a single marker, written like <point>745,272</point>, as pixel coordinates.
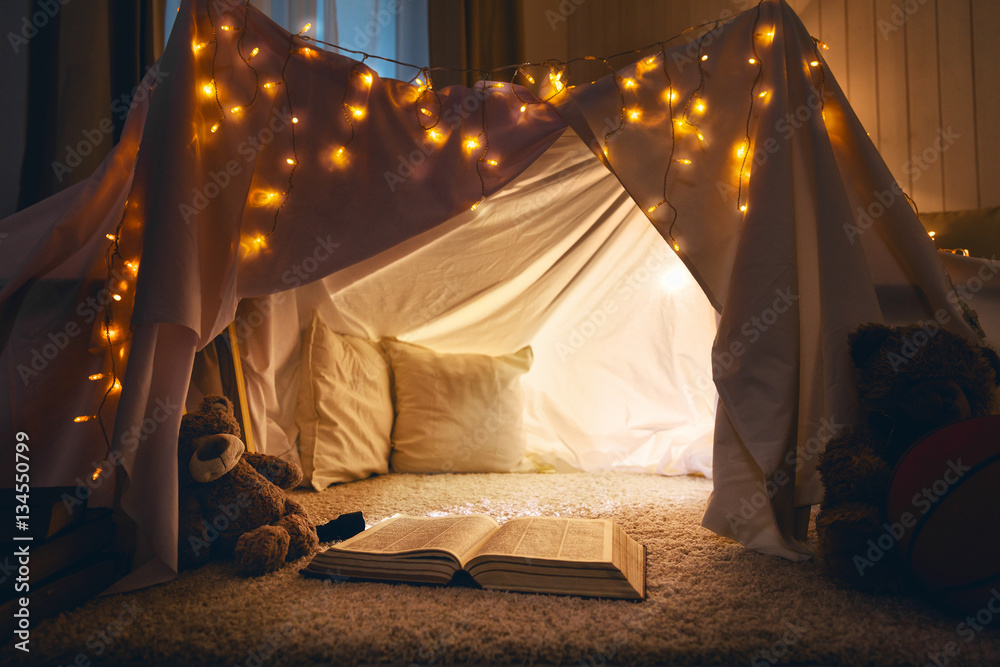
<point>456,412</point>
<point>344,411</point>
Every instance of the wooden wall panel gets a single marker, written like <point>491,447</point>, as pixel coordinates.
<point>833,30</point>
<point>920,75</point>
<point>809,12</point>
<point>985,28</point>
<point>923,166</point>
<point>958,114</point>
<point>862,73</point>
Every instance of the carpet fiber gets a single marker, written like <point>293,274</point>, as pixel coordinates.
<point>710,601</point>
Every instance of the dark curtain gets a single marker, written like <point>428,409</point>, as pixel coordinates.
<point>84,64</point>
<point>473,34</point>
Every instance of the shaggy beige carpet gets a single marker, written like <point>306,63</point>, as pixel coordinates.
<point>710,601</point>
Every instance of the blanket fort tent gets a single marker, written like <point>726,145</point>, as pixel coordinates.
<point>262,162</point>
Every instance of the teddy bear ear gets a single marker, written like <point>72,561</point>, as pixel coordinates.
<point>993,359</point>
<point>215,401</point>
<point>865,341</point>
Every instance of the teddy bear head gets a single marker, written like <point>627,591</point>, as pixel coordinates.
<point>209,443</point>
<point>913,379</point>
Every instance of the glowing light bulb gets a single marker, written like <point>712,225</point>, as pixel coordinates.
<point>630,83</point>
<point>814,63</point>
<point>253,53</point>
<point>305,28</point>
<point>269,85</point>
<point>208,89</point>
<point>133,266</point>
<point>226,28</point>
<point>338,154</point>
<point>683,161</point>
<point>743,208</point>
<point>932,234</point>
<point>82,418</point>
<point>236,109</point>
<point>111,333</point>
<point>762,94</point>
<point>426,112</point>
<point>116,385</point>
<point>111,237</point>
<point>258,240</point>
<point>823,45</point>
<point>435,135</point>
<point>634,114</point>
<point>670,95</point>
<point>524,107</point>
<point>357,112</point>
<point>290,160</point>
<point>652,208</point>
<point>701,137</point>
<point>97,473</point>
<point>476,205</point>
<point>492,163</point>
<point>471,144</point>
<point>741,150</point>
<point>527,76</point>
<point>676,246</point>
<point>116,297</point>
<point>198,47</point>
<point>215,128</point>
<point>704,58</point>
<point>96,376</point>
<point>367,78</point>
<point>295,119</point>
<point>419,81</point>
<point>753,61</point>
<point>265,197</point>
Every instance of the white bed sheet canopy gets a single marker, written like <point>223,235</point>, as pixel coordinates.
<point>562,260</point>
<point>246,164</point>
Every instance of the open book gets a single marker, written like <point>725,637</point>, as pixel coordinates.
<point>589,557</point>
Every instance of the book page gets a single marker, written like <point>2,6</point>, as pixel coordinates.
<point>552,538</point>
<point>457,535</point>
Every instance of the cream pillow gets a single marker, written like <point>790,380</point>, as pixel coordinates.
<point>344,411</point>
<point>456,412</point>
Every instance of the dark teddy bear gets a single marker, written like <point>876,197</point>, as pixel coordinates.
<point>911,380</point>
<point>231,501</point>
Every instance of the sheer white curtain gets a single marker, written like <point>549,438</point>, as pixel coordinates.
<point>395,29</point>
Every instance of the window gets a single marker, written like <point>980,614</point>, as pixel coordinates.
<point>395,29</point>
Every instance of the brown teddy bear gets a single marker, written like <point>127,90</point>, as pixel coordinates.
<point>231,501</point>
<point>911,380</point>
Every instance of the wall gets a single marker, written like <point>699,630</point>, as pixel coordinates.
<point>923,75</point>
<point>13,103</point>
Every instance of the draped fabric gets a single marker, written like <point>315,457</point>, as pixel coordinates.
<point>560,259</point>
<point>238,191</point>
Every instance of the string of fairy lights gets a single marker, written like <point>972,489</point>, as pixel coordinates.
<point>427,110</point>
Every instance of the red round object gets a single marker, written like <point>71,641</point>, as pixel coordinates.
<point>944,506</point>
